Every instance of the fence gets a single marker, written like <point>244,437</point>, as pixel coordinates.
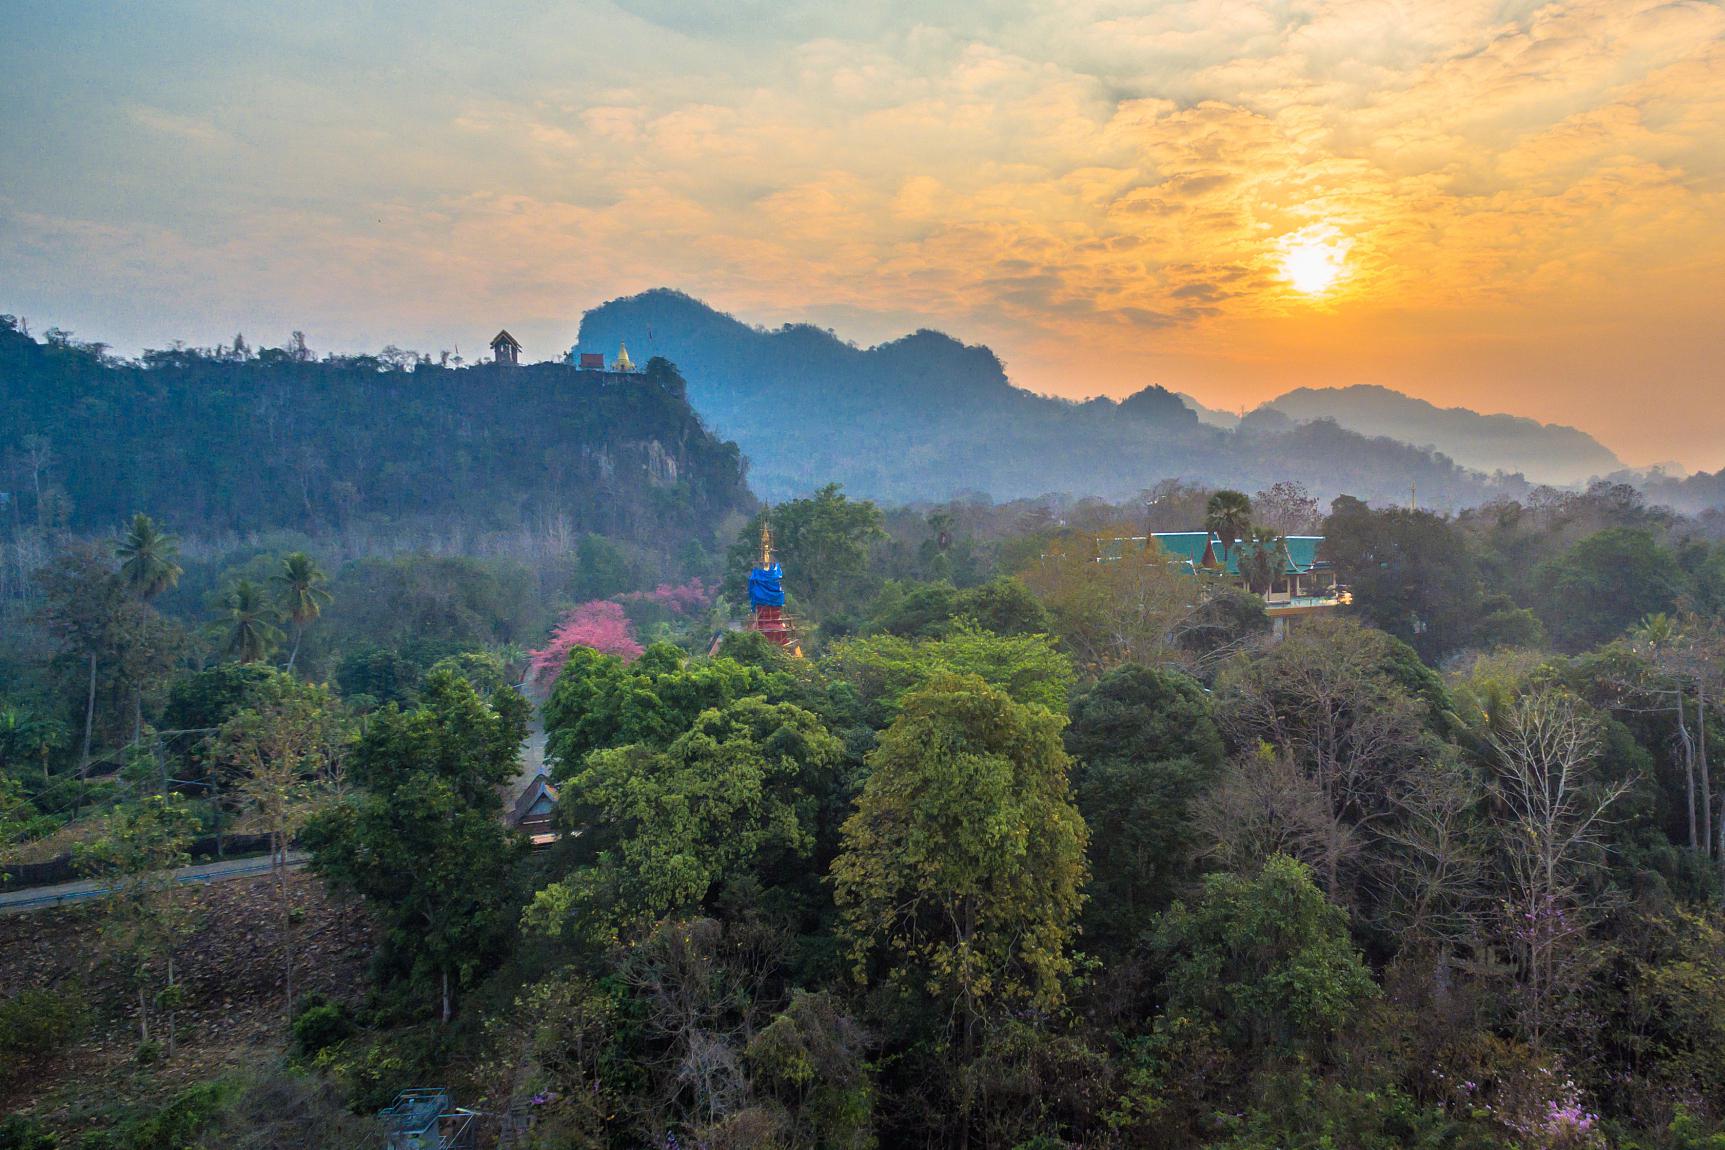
<point>63,869</point>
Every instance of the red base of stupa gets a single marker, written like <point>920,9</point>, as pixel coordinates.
<point>771,622</point>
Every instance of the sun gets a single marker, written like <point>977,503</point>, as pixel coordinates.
<point>1314,259</point>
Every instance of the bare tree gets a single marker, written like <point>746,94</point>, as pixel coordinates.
<point>1434,869</point>
<point>1550,839</point>
<point>1265,805</point>
<point>1287,508</point>
<point>1323,698</point>
<point>1679,659</point>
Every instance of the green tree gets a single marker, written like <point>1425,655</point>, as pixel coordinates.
<point>1263,559</point>
<point>1606,583</point>
<point>1146,747</point>
<point>28,739</point>
<point>1005,606</point>
<point>285,753</point>
<point>300,583</point>
<point>148,567</point>
<point>422,839</point>
<point>1228,515</point>
<point>148,916</point>
<point>601,702</point>
<point>1142,714</point>
<point>110,641</point>
<point>881,669</point>
<point>1131,609</point>
<point>961,869</point>
<point>823,541</point>
<point>16,812</point>
<point>1414,574</point>
<point>1265,960</point>
<point>738,794</point>
<point>250,631</point>
<point>148,558</point>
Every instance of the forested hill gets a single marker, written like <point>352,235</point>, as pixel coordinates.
<point>276,440</point>
<point>1546,452</point>
<point>927,417</point>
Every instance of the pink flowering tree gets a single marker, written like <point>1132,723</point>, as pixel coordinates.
<point>599,624</point>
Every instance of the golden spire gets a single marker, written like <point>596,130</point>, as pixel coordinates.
<point>766,544</point>
<point>624,363</point>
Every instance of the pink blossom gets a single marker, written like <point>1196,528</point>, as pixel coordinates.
<point>599,624</point>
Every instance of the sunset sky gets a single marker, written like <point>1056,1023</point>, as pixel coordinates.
<point>1509,206</point>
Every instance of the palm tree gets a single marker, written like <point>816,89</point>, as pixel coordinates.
<point>300,582</point>
<point>148,566</point>
<point>147,558</point>
<point>1263,559</point>
<point>251,631</point>
<point>1229,515</point>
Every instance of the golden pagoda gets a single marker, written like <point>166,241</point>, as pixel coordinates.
<point>624,363</point>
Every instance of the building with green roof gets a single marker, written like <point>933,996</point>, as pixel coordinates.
<point>1305,584</point>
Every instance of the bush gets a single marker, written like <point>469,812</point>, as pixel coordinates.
<point>20,1133</point>
<point>173,1127</point>
<point>36,1024</point>
<point>319,1025</point>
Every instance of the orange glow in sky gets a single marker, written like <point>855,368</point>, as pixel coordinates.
<point>1512,205</point>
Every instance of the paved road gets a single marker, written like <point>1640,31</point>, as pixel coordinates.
<point>40,897</point>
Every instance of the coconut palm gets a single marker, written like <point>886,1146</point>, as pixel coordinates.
<point>1229,515</point>
<point>148,558</point>
<point>1263,558</point>
<point>300,584</point>
<point>251,628</point>
<point>148,566</point>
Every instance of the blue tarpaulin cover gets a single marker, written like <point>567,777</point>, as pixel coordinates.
<point>767,587</point>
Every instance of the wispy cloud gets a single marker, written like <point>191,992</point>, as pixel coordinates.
<point>1527,194</point>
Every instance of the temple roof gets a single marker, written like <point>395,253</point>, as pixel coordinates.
<point>540,787</point>
<point>1203,550</point>
<point>503,337</point>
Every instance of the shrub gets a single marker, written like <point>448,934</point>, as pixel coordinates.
<point>35,1024</point>
<point>319,1025</point>
<point>20,1133</point>
<point>173,1127</point>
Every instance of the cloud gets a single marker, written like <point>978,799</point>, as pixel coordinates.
<point>190,128</point>
<point>1043,177</point>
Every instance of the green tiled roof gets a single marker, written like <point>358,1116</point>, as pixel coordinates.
<point>1302,552</point>
<point>1188,547</point>
<point>1184,545</point>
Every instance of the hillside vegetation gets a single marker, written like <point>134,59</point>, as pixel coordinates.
<point>232,441</point>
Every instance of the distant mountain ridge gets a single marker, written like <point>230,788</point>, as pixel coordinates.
<point>1544,452</point>
<point>926,417</point>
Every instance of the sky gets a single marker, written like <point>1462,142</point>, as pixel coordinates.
<point>1501,205</point>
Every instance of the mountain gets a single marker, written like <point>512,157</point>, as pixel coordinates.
<point>213,444</point>
<point>1213,416</point>
<point>926,417</point>
<point>1544,452</point>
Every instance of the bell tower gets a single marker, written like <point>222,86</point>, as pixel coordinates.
<point>505,350</point>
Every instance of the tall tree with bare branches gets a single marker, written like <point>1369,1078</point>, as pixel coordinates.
<point>1552,837</point>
